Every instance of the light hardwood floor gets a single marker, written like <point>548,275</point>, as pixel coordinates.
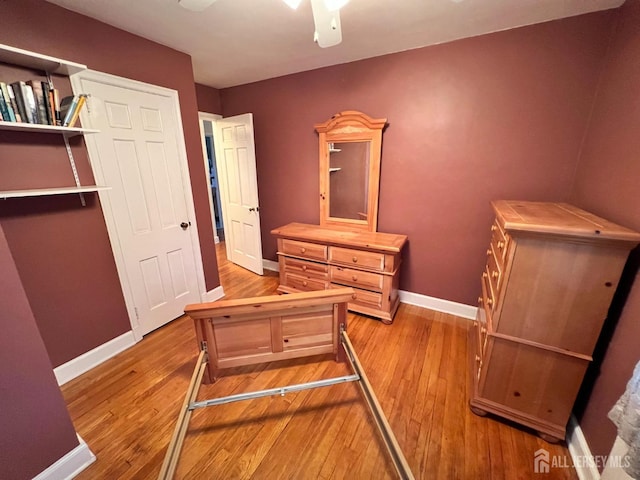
<point>126,408</point>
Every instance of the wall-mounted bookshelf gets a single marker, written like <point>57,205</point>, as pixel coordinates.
<point>36,127</point>
<point>37,61</point>
<point>47,64</point>
<point>40,192</point>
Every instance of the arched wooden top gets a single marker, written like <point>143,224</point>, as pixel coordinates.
<point>351,120</point>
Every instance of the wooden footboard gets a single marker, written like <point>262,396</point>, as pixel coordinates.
<point>263,329</point>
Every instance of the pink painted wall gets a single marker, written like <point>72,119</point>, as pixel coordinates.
<point>607,183</point>
<point>62,250</point>
<point>35,428</point>
<point>208,99</point>
<point>496,116</point>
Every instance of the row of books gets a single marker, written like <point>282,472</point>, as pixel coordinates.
<point>37,102</point>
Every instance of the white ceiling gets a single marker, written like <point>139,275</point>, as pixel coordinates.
<point>234,42</point>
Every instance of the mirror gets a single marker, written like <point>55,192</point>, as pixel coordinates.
<point>350,147</point>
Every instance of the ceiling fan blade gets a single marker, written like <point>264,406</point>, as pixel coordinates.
<point>328,29</point>
<point>196,5</point>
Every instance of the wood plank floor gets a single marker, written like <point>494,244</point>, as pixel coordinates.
<point>126,408</point>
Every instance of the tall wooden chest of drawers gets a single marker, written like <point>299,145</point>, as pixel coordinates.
<point>550,276</point>
<point>311,257</point>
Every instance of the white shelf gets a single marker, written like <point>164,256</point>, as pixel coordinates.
<point>335,169</point>
<point>40,128</point>
<point>335,150</point>
<point>37,61</point>
<point>40,192</point>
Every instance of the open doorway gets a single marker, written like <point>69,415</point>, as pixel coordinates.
<point>206,126</point>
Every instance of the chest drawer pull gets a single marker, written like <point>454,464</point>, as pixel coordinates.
<point>304,268</point>
<point>305,283</point>
<point>303,250</point>
<point>495,274</point>
<point>354,278</point>
<point>488,252</point>
<point>355,259</point>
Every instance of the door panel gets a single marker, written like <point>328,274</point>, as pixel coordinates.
<point>139,158</point>
<point>237,170</point>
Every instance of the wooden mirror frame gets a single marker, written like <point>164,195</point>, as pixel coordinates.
<point>351,126</point>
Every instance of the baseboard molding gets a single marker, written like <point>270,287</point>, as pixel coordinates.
<point>70,465</point>
<point>438,304</point>
<point>579,451</point>
<point>270,265</point>
<point>92,358</point>
<point>213,295</point>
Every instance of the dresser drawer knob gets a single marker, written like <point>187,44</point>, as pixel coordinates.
<point>495,274</point>
<point>304,268</point>
<point>302,250</point>
<point>478,358</point>
<point>354,278</point>
<point>354,296</point>
<point>483,330</point>
<point>304,283</point>
<point>493,228</point>
<point>355,259</point>
<point>488,251</point>
<point>500,245</point>
<point>489,301</point>
<point>480,300</point>
<point>485,274</point>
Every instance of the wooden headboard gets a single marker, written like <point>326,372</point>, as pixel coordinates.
<point>265,329</point>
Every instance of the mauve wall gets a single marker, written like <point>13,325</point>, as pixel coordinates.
<point>35,428</point>
<point>62,250</point>
<point>208,99</point>
<point>607,183</point>
<point>496,116</point>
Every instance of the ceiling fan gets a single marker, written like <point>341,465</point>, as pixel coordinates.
<point>326,17</point>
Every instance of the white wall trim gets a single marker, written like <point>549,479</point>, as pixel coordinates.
<point>578,447</point>
<point>70,465</point>
<point>438,304</point>
<point>270,265</point>
<point>213,295</point>
<point>93,358</point>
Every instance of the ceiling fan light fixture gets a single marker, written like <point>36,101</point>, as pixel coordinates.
<point>196,5</point>
<point>333,5</point>
<point>293,3</point>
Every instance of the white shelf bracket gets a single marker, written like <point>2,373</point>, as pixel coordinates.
<point>73,167</point>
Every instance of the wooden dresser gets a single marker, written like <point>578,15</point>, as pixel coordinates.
<point>551,272</point>
<point>311,257</point>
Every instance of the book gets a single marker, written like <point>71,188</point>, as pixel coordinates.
<point>14,104</point>
<point>46,94</point>
<point>38,95</point>
<point>18,94</point>
<point>82,98</point>
<point>67,106</point>
<point>55,104</point>
<point>30,105</point>
<point>5,94</point>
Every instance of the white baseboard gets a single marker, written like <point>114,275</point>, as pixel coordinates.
<point>579,450</point>
<point>438,304</point>
<point>92,358</point>
<point>213,295</point>
<point>270,265</point>
<point>70,465</point>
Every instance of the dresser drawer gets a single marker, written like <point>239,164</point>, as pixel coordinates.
<point>494,270</point>
<point>305,250</point>
<point>364,298</point>
<point>307,269</point>
<point>487,298</point>
<point>357,258</point>
<point>302,283</point>
<point>356,278</point>
<point>499,243</point>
